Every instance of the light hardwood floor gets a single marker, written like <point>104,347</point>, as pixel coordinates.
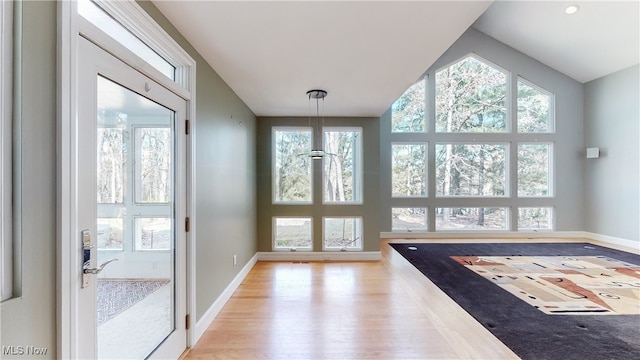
<point>345,310</point>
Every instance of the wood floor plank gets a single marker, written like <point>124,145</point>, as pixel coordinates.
<point>344,310</point>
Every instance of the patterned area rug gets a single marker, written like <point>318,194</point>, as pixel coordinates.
<point>564,285</point>
<point>116,296</point>
<point>513,289</point>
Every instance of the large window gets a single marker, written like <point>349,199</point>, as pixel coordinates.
<point>342,175</point>
<point>292,233</point>
<point>478,150</point>
<point>471,169</point>
<point>292,165</point>
<point>325,193</point>
<point>534,109</point>
<point>409,170</point>
<point>342,233</point>
<point>471,97</point>
<point>407,113</point>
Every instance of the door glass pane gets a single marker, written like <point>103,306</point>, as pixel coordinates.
<point>135,295</point>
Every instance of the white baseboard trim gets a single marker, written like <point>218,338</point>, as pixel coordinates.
<point>483,235</point>
<point>320,256</point>
<point>614,240</point>
<point>214,309</point>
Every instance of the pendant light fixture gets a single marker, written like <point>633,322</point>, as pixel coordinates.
<point>317,153</point>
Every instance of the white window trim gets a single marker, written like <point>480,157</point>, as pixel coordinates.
<point>70,27</point>
<point>357,167</point>
<point>6,85</point>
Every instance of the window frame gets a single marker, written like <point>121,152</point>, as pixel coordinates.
<point>274,234</point>
<point>550,169</point>
<point>426,219</point>
<point>358,167</point>
<point>507,162</point>
<point>358,228</point>
<point>509,102</point>
<point>6,153</point>
<point>507,217</point>
<point>425,122</point>
<point>551,216</point>
<point>274,200</point>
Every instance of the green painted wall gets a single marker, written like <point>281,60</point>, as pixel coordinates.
<point>225,135</point>
<point>369,210</point>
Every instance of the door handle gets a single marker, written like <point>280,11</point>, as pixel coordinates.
<point>97,270</point>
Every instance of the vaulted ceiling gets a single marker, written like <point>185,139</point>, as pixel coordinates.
<point>366,53</point>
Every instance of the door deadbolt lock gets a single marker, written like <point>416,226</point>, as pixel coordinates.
<point>86,259</point>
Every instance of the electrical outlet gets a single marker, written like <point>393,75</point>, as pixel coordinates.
<point>235,260</point>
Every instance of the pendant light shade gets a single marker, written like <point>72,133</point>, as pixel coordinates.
<point>317,153</point>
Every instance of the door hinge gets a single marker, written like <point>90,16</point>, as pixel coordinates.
<point>186,322</point>
<point>187,127</point>
<point>187,224</point>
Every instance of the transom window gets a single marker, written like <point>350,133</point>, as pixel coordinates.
<point>96,15</point>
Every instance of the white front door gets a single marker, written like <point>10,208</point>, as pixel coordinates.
<point>131,190</point>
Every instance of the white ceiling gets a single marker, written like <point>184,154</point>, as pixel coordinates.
<point>601,38</point>
<point>366,53</point>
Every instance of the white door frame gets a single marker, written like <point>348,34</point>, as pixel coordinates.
<point>70,26</point>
